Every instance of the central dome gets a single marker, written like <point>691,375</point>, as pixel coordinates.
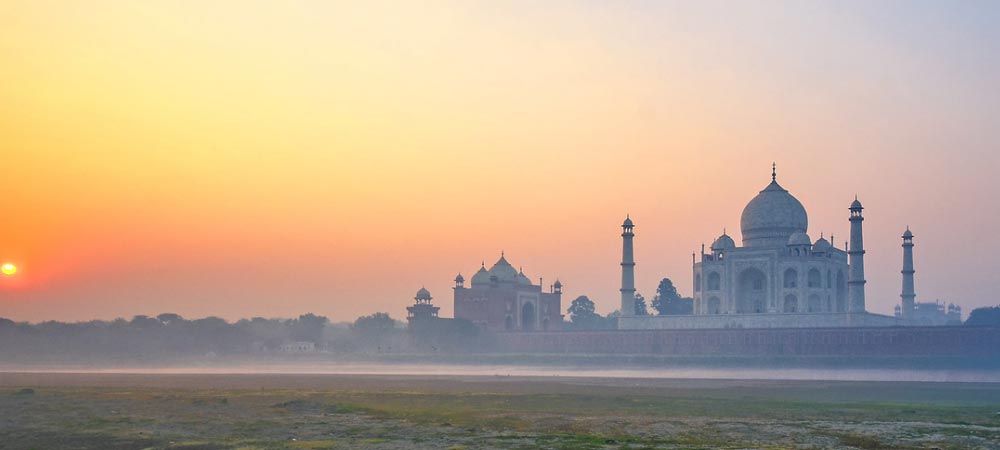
<point>772,217</point>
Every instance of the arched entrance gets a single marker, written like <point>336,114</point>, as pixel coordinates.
<point>714,306</point>
<point>791,304</point>
<point>751,292</point>
<point>814,304</point>
<point>528,317</point>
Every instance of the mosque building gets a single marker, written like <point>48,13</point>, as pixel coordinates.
<point>504,299</point>
<point>779,277</point>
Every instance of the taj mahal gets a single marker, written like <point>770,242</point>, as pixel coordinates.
<point>778,278</point>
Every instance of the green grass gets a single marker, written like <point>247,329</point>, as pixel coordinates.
<point>516,413</point>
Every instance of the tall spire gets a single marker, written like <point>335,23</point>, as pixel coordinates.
<point>628,270</point>
<point>774,171</point>
<point>908,295</point>
<point>856,261</point>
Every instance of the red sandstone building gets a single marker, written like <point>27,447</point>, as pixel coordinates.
<point>504,299</point>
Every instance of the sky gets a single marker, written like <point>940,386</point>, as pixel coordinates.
<point>241,158</point>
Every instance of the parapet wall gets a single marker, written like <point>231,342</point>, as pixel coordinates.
<point>783,320</point>
<point>870,341</point>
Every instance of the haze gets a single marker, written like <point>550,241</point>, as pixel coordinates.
<point>271,159</point>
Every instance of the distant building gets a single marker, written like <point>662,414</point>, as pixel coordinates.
<point>778,278</point>
<point>933,313</point>
<point>422,308</point>
<point>504,299</point>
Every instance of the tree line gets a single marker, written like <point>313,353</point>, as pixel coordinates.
<point>583,315</point>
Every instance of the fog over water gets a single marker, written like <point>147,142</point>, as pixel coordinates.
<point>461,370</point>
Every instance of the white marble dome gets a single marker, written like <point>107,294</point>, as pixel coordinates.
<point>772,217</point>
<point>723,242</point>
<point>821,245</point>
<point>799,238</point>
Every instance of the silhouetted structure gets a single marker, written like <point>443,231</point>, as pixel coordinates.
<point>504,299</point>
<point>422,308</point>
<point>779,278</point>
<point>628,269</point>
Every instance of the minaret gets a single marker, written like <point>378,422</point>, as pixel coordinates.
<point>908,294</point>
<point>856,255</point>
<point>628,270</point>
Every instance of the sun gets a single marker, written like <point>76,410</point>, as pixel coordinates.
<point>8,269</point>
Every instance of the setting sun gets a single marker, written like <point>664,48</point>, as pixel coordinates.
<point>8,269</point>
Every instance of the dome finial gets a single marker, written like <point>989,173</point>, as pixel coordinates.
<point>774,171</point>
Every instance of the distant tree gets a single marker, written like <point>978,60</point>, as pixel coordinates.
<point>170,318</point>
<point>666,298</point>
<point>582,310</point>
<point>308,327</point>
<point>145,323</point>
<point>987,316</point>
<point>583,316</point>
<point>640,305</point>
<point>374,325</point>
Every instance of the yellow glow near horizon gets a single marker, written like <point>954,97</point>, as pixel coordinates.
<point>8,269</point>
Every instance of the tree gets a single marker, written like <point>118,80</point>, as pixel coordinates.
<point>666,300</point>
<point>308,327</point>
<point>988,316</point>
<point>581,310</point>
<point>640,305</point>
<point>169,318</point>
<point>378,324</point>
<point>582,316</point>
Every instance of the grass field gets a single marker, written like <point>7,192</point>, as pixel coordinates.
<point>129,411</point>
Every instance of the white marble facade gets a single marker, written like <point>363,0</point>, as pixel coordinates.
<point>779,269</point>
<point>779,277</point>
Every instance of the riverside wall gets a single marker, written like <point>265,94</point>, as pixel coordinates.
<point>961,341</point>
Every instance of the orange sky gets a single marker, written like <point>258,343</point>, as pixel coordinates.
<point>275,158</point>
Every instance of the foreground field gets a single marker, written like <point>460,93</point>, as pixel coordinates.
<point>126,411</point>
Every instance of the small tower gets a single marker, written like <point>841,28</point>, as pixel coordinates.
<point>459,281</point>
<point>908,294</point>
<point>856,261</point>
<point>422,308</point>
<point>557,287</point>
<point>628,270</point>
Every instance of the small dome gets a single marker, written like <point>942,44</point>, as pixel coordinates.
<point>856,204</point>
<point>822,245</point>
<point>503,270</point>
<point>799,238</point>
<point>907,234</point>
<point>557,284</point>
<point>723,242</point>
<point>459,278</point>
<point>627,223</point>
<point>423,294</point>
<point>482,276</point>
<point>523,279</point>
